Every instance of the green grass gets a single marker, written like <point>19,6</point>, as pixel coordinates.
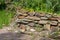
<point>51,6</point>
<point>5,18</point>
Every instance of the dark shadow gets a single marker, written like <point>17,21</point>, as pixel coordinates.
<point>3,6</point>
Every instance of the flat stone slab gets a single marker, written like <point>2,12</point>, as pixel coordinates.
<point>44,18</point>
<point>33,18</point>
<point>31,13</point>
<point>43,21</point>
<point>35,21</point>
<point>27,20</point>
<point>53,22</point>
<point>23,22</point>
<point>31,24</point>
<point>48,15</point>
<point>55,19</point>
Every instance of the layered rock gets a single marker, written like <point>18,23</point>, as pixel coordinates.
<point>31,19</point>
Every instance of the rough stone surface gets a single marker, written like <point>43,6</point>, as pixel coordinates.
<point>44,18</point>
<point>25,14</point>
<point>27,20</point>
<point>54,19</point>
<point>47,26</point>
<point>36,21</point>
<point>31,24</point>
<point>53,22</point>
<point>31,13</point>
<point>37,14</point>
<point>22,28</point>
<point>23,22</point>
<point>53,29</point>
<point>41,14</point>
<point>48,15</point>
<point>44,33</point>
<point>43,22</point>
<point>33,18</point>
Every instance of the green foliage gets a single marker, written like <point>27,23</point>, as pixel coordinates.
<point>5,18</point>
<point>1,1</point>
<point>37,5</point>
<point>5,1</point>
<point>5,15</point>
<point>42,5</point>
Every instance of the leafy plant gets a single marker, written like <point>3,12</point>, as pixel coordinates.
<point>40,5</point>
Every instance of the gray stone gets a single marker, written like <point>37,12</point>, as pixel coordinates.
<point>38,25</point>
<point>22,28</point>
<point>44,33</point>
<point>22,22</point>
<point>35,21</point>
<point>31,13</point>
<point>55,35</point>
<point>17,20</point>
<point>42,14</point>
<point>31,24</point>
<point>32,18</point>
<point>48,15</point>
<point>47,26</point>
<point>37,14</point>
<point>27,28</point>
<point>54,29</point>
<point>43,21</point>
<point>44,18</point>
<point>27,20</point>
<point>53,22</point>
<point>32,30</point>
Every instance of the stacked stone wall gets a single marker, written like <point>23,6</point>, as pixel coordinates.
<point>41,19</point>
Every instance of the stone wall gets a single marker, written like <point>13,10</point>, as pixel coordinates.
<point>32,19</point>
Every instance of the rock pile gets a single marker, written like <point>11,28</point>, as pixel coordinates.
<point>31,19</point>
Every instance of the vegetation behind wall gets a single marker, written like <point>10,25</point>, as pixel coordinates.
<point>52,6</point>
